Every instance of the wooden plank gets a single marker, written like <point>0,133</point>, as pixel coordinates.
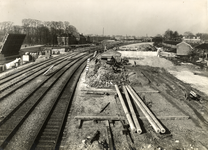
<point>97,117</point>
<point>147,91</point>
<point>96,92</point>
<point>48,70</point>
<point>100,90</point>
<point>169,118</point>
<point>107,91</point>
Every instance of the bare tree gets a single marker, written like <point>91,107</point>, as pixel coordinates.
<point>188,34</point>
<point>6,26</point>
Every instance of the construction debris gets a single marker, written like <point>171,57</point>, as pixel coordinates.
<point>193,96</point>
<point>106,71</point>
<point>95,137</point>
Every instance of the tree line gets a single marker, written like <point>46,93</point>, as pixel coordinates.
<point>175,36</point>
<point>39,32</point>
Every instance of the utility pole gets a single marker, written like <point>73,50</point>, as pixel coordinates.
<point>103,31</point>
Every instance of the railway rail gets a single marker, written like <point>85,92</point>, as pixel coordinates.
<point>14,74</point>
<point>8,88</point>
<point>59,81</point>
<point>50,132</point>
<point>25,69</point>
<point>24,73</point>
<point>45,81</point>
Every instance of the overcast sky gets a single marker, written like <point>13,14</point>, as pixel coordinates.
<point>117,17</point>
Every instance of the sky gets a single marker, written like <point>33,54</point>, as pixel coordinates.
<point>116,17</point>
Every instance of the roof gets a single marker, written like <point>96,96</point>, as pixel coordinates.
<point>12,43</point>
<point>185,44</point>
<point>32,48</point>
<point>35,46</point>
<point>202,46</point>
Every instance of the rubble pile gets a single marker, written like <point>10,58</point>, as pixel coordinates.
<point>103,75</point>
<point>146,47</point>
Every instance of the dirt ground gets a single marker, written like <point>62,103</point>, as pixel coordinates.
<point>186,72</point>
<point>170,100</point>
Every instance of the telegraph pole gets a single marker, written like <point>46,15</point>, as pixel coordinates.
<point>103,31</point>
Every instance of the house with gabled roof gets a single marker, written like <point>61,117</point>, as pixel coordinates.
<point>183,49</point>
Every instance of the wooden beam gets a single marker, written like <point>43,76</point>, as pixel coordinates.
<point>168,117</point>
<point>147,91</point>
<point>100,90</point>
<point>96,92</point>
<point>97,117</point>
<point>48,70</point>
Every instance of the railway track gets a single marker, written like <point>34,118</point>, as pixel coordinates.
<point>23,79</point>
<point>23,74</point>
<point>47,81</point>
<point>58,82</point>
<point>23,70</point>
<point>50,132</point>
